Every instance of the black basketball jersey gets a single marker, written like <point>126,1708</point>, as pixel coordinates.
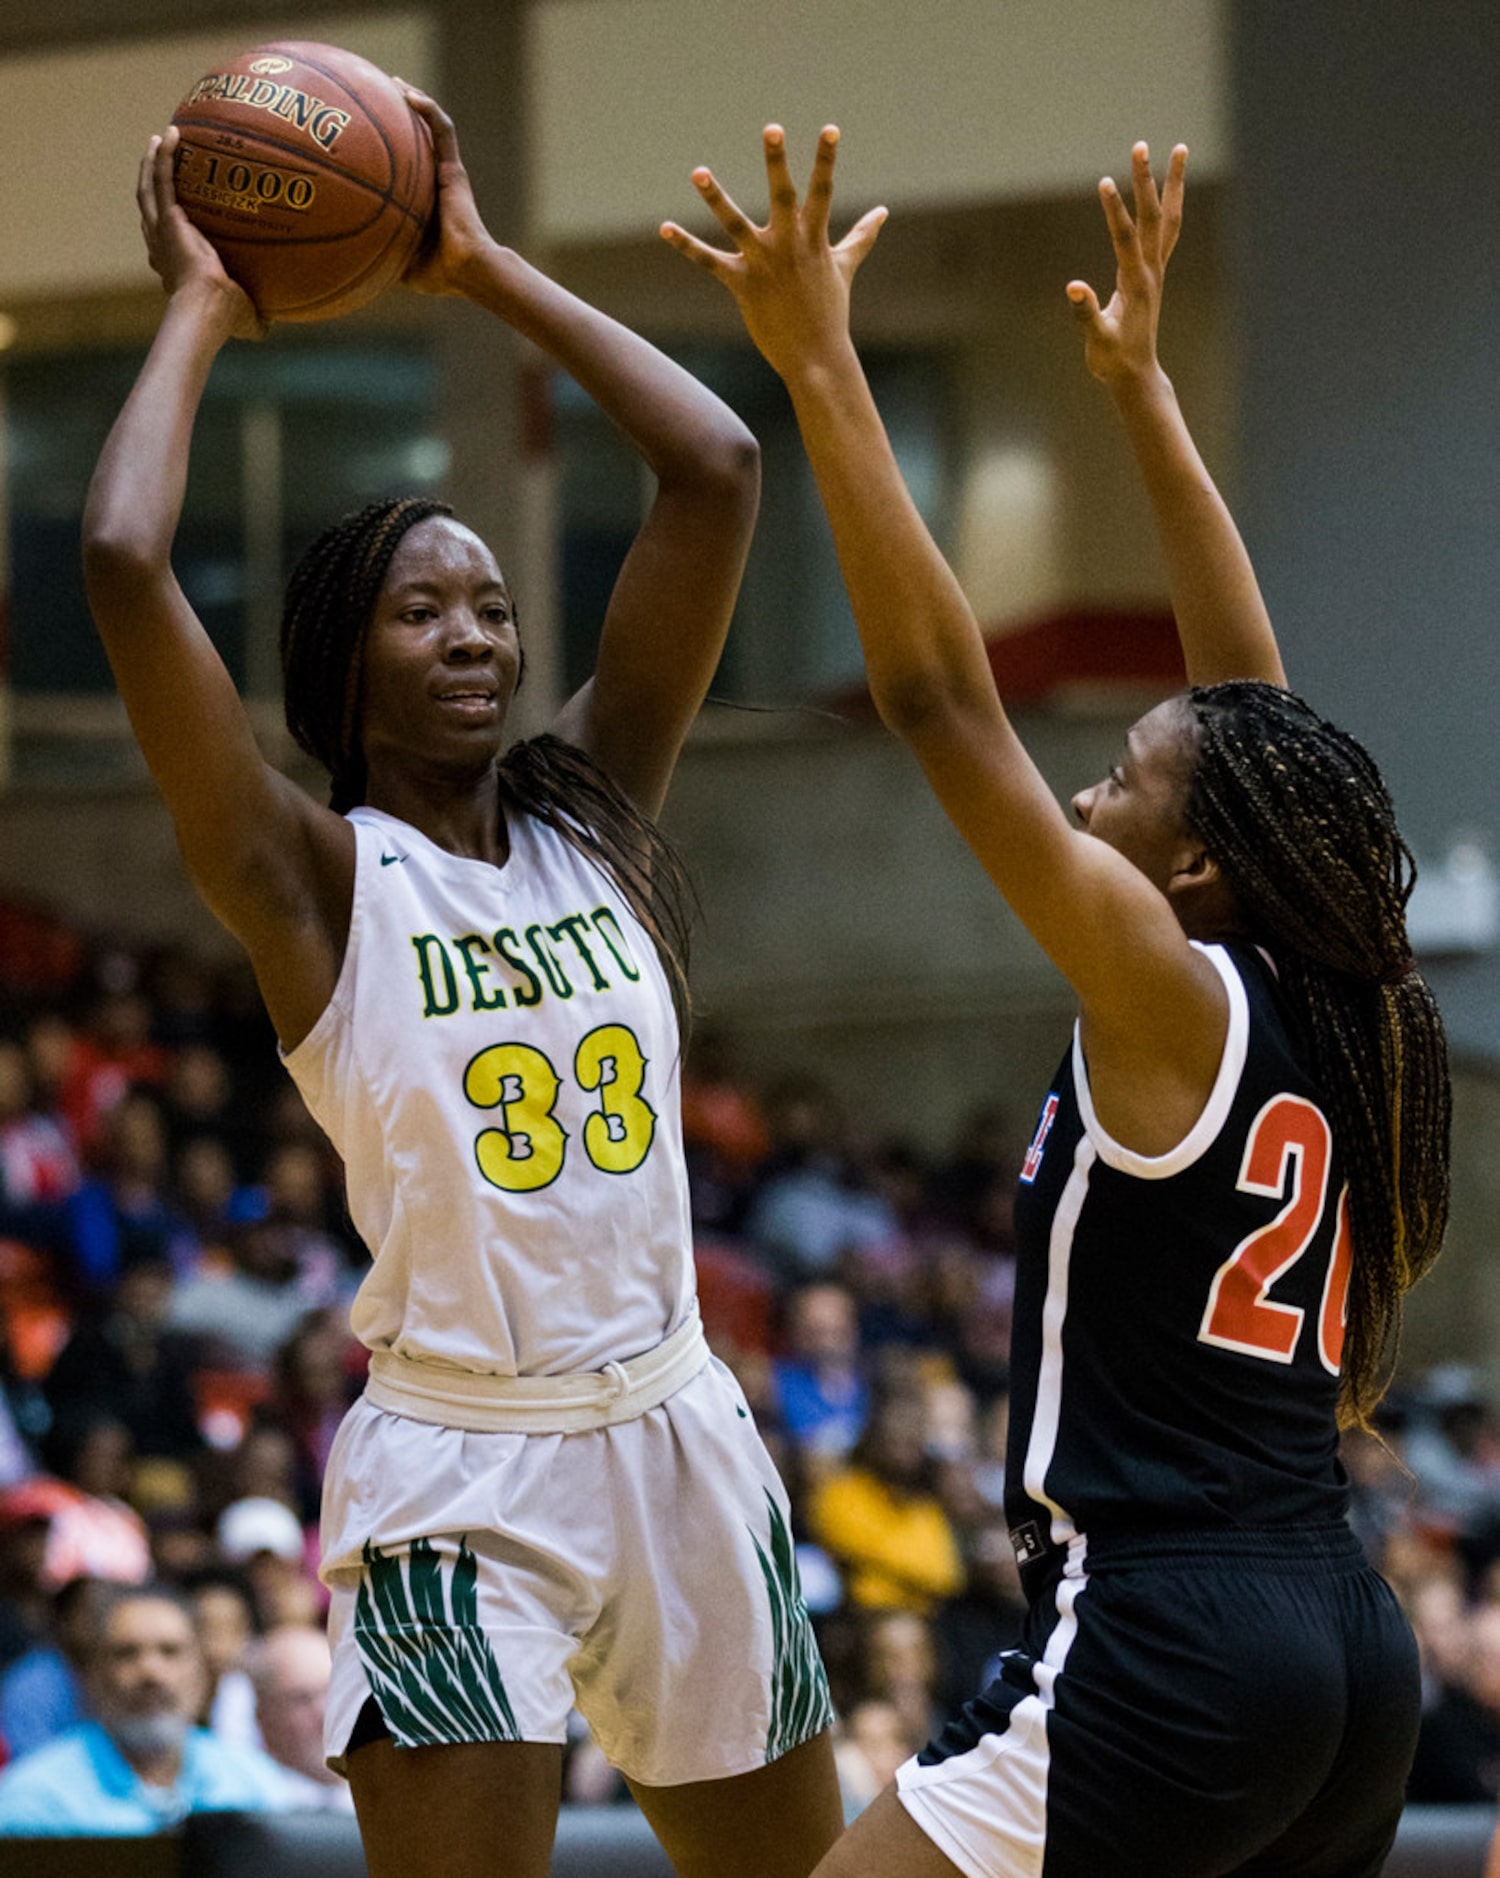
<point>1179,1319</point>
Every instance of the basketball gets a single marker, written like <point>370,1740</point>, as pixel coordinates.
<point>309,172</point>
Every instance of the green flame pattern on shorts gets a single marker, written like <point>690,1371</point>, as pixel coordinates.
<point>431,1668</point>
<point>800,1703</point>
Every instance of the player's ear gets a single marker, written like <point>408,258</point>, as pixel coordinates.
<point>1200,891</point>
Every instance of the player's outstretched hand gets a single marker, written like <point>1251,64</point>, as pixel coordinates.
<point>458,232</point>
<point>177,251</point>
<point>1119,340</point>
<point>790,282</point>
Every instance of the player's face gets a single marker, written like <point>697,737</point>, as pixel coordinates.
<point>1139,806</point>
<point>441,654</point>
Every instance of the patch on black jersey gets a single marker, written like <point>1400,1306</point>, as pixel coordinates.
<point>1027,1541</point>
<point>1032,1165</point>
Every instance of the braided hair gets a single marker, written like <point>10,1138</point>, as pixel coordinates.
<point>330,601</point>
<point>1296,815</point>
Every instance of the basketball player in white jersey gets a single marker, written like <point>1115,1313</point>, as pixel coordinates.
<point>549,1492</point>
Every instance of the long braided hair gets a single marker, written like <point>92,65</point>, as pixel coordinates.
<point>330,601</point>
<point>1296,815</point>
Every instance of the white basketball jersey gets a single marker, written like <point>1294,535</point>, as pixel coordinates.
<point>498,1067</point>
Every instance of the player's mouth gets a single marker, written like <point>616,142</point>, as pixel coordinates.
<point>468,700</point>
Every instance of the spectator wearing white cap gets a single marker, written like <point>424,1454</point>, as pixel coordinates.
<point>265,1538</point>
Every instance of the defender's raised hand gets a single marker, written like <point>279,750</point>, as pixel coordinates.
<point>1120,339</point>
<point>790,282</point>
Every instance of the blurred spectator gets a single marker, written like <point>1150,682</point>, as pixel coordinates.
<point>1439,1618</point>
<point>123,1357</point>
<point>985,1618</point>
<point>25,1587</point>
<point>289,1669</point>
<point>24,1412</point>
<point>880,1520</point>
<point>981,1172</point>
<point>122,1214</point>
<point>822,1399</point>
<point>724,1134</point>
<point>1452,1446</point>
<point>1380,1488</point>
<point>1458,1749</point>
<point>199,1099</point>
<point>38,1167</point>
<point>56,1533</point>
<point>43,1693</point>
<point>224,1617</point>
<point>981,1335</point>
<point>141,1764</point>
<point>204,1188</point>
<point>112,1055</point>
<point>242,1316</point>
<point>181,989</point>
<point>315,1377</point>
<point>869,1744</point>
<point>900,1667</point>
<point>811,1206</point>
<point>50,1041</point>
<point>265,1539</point>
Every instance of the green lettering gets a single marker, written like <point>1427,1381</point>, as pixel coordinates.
<point>603,919</point>
<point>573,926</point>
<point>434,1006</point>
<point>547,959</point>
<point>483,998</point>
<point>532,991</point>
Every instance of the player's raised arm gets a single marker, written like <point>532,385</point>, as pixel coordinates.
<point>271,864</point>
<point>1221,617</point>
<point>1102,921</point>
<point>670,609</point>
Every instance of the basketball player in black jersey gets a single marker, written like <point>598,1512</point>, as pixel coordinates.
<point>1239,1169</point>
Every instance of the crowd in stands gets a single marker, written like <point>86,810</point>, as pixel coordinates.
<point>176,1265</point>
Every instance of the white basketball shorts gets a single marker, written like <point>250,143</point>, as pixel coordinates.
<point>485,1584</point>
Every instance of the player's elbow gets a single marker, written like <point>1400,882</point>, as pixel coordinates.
<point>916,702</point>
<point>119,560</point>
<point>724,468</point>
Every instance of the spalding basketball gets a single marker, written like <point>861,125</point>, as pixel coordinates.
<point>309,172</point>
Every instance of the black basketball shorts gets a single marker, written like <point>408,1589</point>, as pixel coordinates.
<point>1185,1705</point>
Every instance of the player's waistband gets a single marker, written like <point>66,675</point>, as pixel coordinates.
<point>536,1405</point>
<point>1316,1549</point>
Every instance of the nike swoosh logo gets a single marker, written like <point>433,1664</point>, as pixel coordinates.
<point>386,859</point>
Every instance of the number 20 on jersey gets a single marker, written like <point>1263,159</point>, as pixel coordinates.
<point>1288,1153</point>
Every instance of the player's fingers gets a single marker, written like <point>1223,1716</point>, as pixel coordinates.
<point>1083,301</point>
<point>820,185</point>
<point>783,190</point>
<point>863,236</point>
<point>731,217</point>
<point>1171,199</point>
<point>1122,231</point>
<point>437,120</point>
<point>710,259</point>
<point>164,171</point>
<point>145,186</point>
<point>1143,187</point>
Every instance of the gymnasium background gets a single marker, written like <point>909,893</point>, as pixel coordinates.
<point>1333,324</point>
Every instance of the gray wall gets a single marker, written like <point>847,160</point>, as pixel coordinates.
<point>1366,272</point>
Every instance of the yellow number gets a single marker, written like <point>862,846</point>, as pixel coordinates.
<point>526,1151</point>
<point>617,1137</point>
